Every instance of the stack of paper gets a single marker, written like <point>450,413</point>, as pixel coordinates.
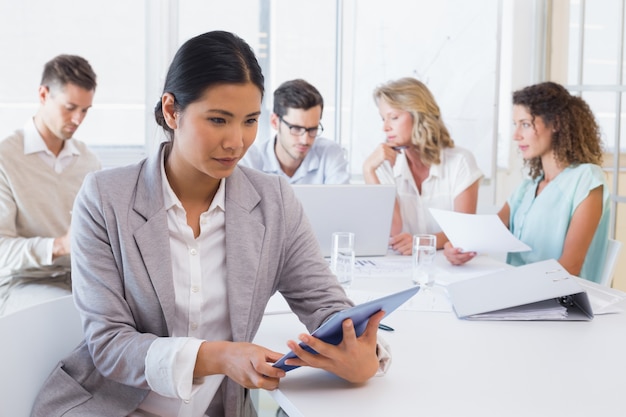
<point>383,266</point>
<point>543,310</point>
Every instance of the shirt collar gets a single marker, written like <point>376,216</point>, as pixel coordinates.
<point>170,199</point>
<point>311,161</point>
<point>34,143</point>
<point>402,167</point>
<point>271,164</point>
<point>437,170</point>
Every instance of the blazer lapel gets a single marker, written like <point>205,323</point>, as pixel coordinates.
<point>244,242</point>
<point>152,234</point>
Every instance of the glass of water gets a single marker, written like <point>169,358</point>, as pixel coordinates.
<point>342,257</point>
<point>424,250</point>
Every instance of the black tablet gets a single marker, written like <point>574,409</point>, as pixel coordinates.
<point>331,331</point>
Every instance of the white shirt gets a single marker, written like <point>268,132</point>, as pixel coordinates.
<point>199,270</point>
<point>457,171</point>
<point>34,143</point>
<point>325,163</point>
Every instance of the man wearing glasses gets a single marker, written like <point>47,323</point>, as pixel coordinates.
<point>297,151</point>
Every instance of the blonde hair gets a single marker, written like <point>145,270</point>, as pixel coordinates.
<point>429,134</point>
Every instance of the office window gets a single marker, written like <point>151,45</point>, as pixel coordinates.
<point>452,46</point>
<point>303,43</point>
<point>593,68</point>
<point>110,35</point>
<point>595,71</point>
<point>286,46</point>
<point>593,37</point>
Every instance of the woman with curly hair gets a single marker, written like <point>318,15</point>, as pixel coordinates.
<point>420,158</point>
<point>562,210</point>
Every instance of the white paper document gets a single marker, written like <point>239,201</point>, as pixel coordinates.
<point>383,266</point>
<point>482,233</point>
<point>542,310</point>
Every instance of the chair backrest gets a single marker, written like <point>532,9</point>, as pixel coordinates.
<point>33,341</point>
<point>612,254</point>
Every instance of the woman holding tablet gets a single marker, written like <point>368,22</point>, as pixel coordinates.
<point>177,256</point>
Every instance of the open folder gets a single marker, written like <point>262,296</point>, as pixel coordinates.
<point>538,291</point>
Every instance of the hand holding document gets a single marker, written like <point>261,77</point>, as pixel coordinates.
<point>478,232</point>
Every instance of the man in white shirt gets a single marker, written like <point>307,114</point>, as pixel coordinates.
<point>41,170</point>
<point>297,152</point>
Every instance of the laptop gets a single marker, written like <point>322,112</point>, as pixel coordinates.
<point>363,209</point>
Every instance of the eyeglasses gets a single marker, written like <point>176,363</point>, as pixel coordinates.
<point>299,130</point>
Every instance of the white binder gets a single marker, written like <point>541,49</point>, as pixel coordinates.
<point>538,291</point>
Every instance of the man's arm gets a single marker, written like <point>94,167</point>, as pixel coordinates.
<point>17,252</point>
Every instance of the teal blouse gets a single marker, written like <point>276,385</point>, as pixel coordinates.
<point>542,222</point>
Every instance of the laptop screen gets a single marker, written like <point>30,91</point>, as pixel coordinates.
<point>363,209</point>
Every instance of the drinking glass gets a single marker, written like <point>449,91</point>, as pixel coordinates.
<point>424,250</point>
<point>342,257</point>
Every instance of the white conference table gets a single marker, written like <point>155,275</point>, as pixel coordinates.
<point>443,366</point>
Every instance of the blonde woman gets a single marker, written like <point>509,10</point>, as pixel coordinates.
<point>420,157</point>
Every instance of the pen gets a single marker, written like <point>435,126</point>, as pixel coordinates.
<point>399,148</point>
<point>385,327</point>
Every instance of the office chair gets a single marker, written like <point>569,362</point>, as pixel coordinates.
<point>34,340</point>
<point>612,254</point>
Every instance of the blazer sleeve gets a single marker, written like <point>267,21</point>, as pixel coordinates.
<point>117,348</point>
<point>305,280</point>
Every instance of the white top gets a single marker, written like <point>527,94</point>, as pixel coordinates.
<point>325,163</point>
<point>34,144</point>
<point>457,171</point>
<point>199,267</point>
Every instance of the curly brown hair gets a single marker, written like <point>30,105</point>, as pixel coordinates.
<point>576,138</point>
<point>430,134</point>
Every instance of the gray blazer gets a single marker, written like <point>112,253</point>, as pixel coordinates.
<point>122,282</point>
